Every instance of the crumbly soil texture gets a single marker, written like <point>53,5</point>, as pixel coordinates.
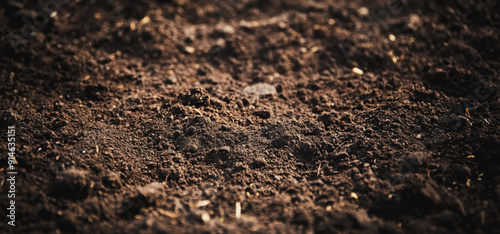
<point>251,116</point>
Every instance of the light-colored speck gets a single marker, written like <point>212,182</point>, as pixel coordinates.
<point>205,217</point>
<point>133,26</point>
<point>363,11</point>
<point>259,89</point>
<point>357,71</point>
<point>145,20</point>
<point>392,37</point>
<point>238,210</point>
<point>190,49</point>
<point>202,203</point>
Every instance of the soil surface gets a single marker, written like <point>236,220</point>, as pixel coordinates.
<point>251,116</point>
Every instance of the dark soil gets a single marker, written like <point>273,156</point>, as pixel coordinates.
<point>162,116</point>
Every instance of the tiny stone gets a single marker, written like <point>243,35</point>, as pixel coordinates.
<point>189,49</point>
<point>363,11</point>
<point>205,217</point>
<point>392,37</point>
<point>225,149</point>
<point>220,42</point>
<point>145,20</point>
<point>171,79</point>
<point>225,28</point>
<point>357,71</point>
<point>259,89</point>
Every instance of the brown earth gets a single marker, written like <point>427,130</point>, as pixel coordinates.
<point>162,116</point>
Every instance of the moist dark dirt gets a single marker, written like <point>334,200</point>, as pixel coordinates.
<point>314,116</point>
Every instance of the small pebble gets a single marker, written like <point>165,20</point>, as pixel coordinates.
<point>220,42</point>
<point>189,49</point>
<point>392,37</point>
<point>259,89</point>
<point>145,20</point>
<point>205,217</point>
<point>171,79</point>
<point>225,149</point>
<point>357,71</point>
<point>363,11</point>
<point>227,29</point>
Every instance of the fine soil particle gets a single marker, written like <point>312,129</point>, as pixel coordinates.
<point>252,116</point>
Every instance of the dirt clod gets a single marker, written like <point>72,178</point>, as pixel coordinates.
<point>73,183</point>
